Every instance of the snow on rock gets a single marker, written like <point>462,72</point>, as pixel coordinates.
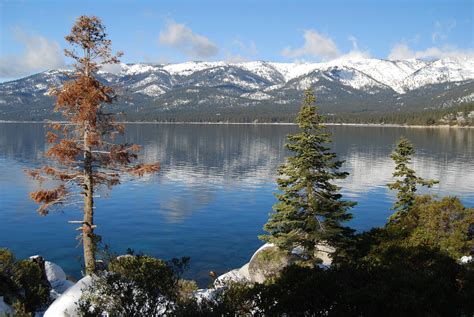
<point>55,275</point>
<point>54,272</point>
<point>237,275</point>
<point>66,304</point>
<point>59,288</point>
<point>5,309</point>
<point>205,294</point>
<point>57,279</point>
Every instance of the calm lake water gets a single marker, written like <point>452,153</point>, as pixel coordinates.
<point>214,191</point>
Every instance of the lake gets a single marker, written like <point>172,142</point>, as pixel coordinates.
<point>215,189</point>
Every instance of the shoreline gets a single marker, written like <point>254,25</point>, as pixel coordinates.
<point>378,125</point>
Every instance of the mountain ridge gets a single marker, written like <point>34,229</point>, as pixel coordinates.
<point>342,86</point>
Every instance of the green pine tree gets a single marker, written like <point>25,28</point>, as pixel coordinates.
<point>309,209</point>
<point>407,181</point>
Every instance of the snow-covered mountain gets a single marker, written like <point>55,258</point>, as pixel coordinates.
<point>341,86</point>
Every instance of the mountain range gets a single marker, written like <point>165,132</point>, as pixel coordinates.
<point>207,90</point>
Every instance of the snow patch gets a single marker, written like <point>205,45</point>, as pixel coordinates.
<point>152,90</point>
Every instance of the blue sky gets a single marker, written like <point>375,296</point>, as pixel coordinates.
<point>32,32</point>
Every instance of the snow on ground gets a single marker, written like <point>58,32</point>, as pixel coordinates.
<point>66,304</point>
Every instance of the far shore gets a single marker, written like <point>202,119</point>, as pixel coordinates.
<point>389,125</point>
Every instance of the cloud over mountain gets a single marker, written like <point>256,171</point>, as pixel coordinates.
<point>315,45</point>
<point>39,54</point>
<point>183,39</point>
<point>402,51</point>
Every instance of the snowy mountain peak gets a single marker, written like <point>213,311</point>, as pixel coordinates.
<point>366,84</point>
<point>401,75</point>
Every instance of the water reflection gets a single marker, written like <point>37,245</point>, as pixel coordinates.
<point>216,187</point>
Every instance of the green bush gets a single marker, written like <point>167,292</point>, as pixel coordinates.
<point>22,282</point>
<point>414,281</point>
<point>134,285</point>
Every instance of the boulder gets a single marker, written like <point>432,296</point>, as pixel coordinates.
<point>66,304</point>
<point>268,261</point>
<point>54,272</point>
<point>57,279</point>
<point>244,271</point>
<point>237,275</point>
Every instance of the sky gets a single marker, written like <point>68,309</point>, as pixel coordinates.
<point>32,32</point>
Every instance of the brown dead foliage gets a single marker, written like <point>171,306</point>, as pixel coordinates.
<point>48,198</point>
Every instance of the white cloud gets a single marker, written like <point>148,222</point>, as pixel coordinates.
<point>403,51</point>
<point>182,38</point>
<point>39,54</point>
<point>355,53</point>
<point>315,45</point>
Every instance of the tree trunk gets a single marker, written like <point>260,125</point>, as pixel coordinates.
<point>88,221</point>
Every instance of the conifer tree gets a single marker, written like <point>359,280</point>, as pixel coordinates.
<point>83,149</point>
<point>407,181</point>
<point>309,209</point>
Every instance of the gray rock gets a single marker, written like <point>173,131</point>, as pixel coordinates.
<point>268,262</point>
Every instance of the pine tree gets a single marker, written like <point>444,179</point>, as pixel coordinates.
<point>407,181</point>
<point>309,209</point>
<point>84,147</point>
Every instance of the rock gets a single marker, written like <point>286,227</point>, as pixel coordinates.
<point>60,287</point>
<point>244,271</point>
<point>323,252</point>
<point>206,294</point>
<point>66,304</point>
<point>5,309</point>
<point>57,279</point>
<point>268,261</point>
<point>466,259</point>
<point>232,276</point>
<point>38,259</point>
<point>54,272</point>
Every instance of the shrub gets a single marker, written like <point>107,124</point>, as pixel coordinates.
<point>22,282</point>
<point>134,285</point>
